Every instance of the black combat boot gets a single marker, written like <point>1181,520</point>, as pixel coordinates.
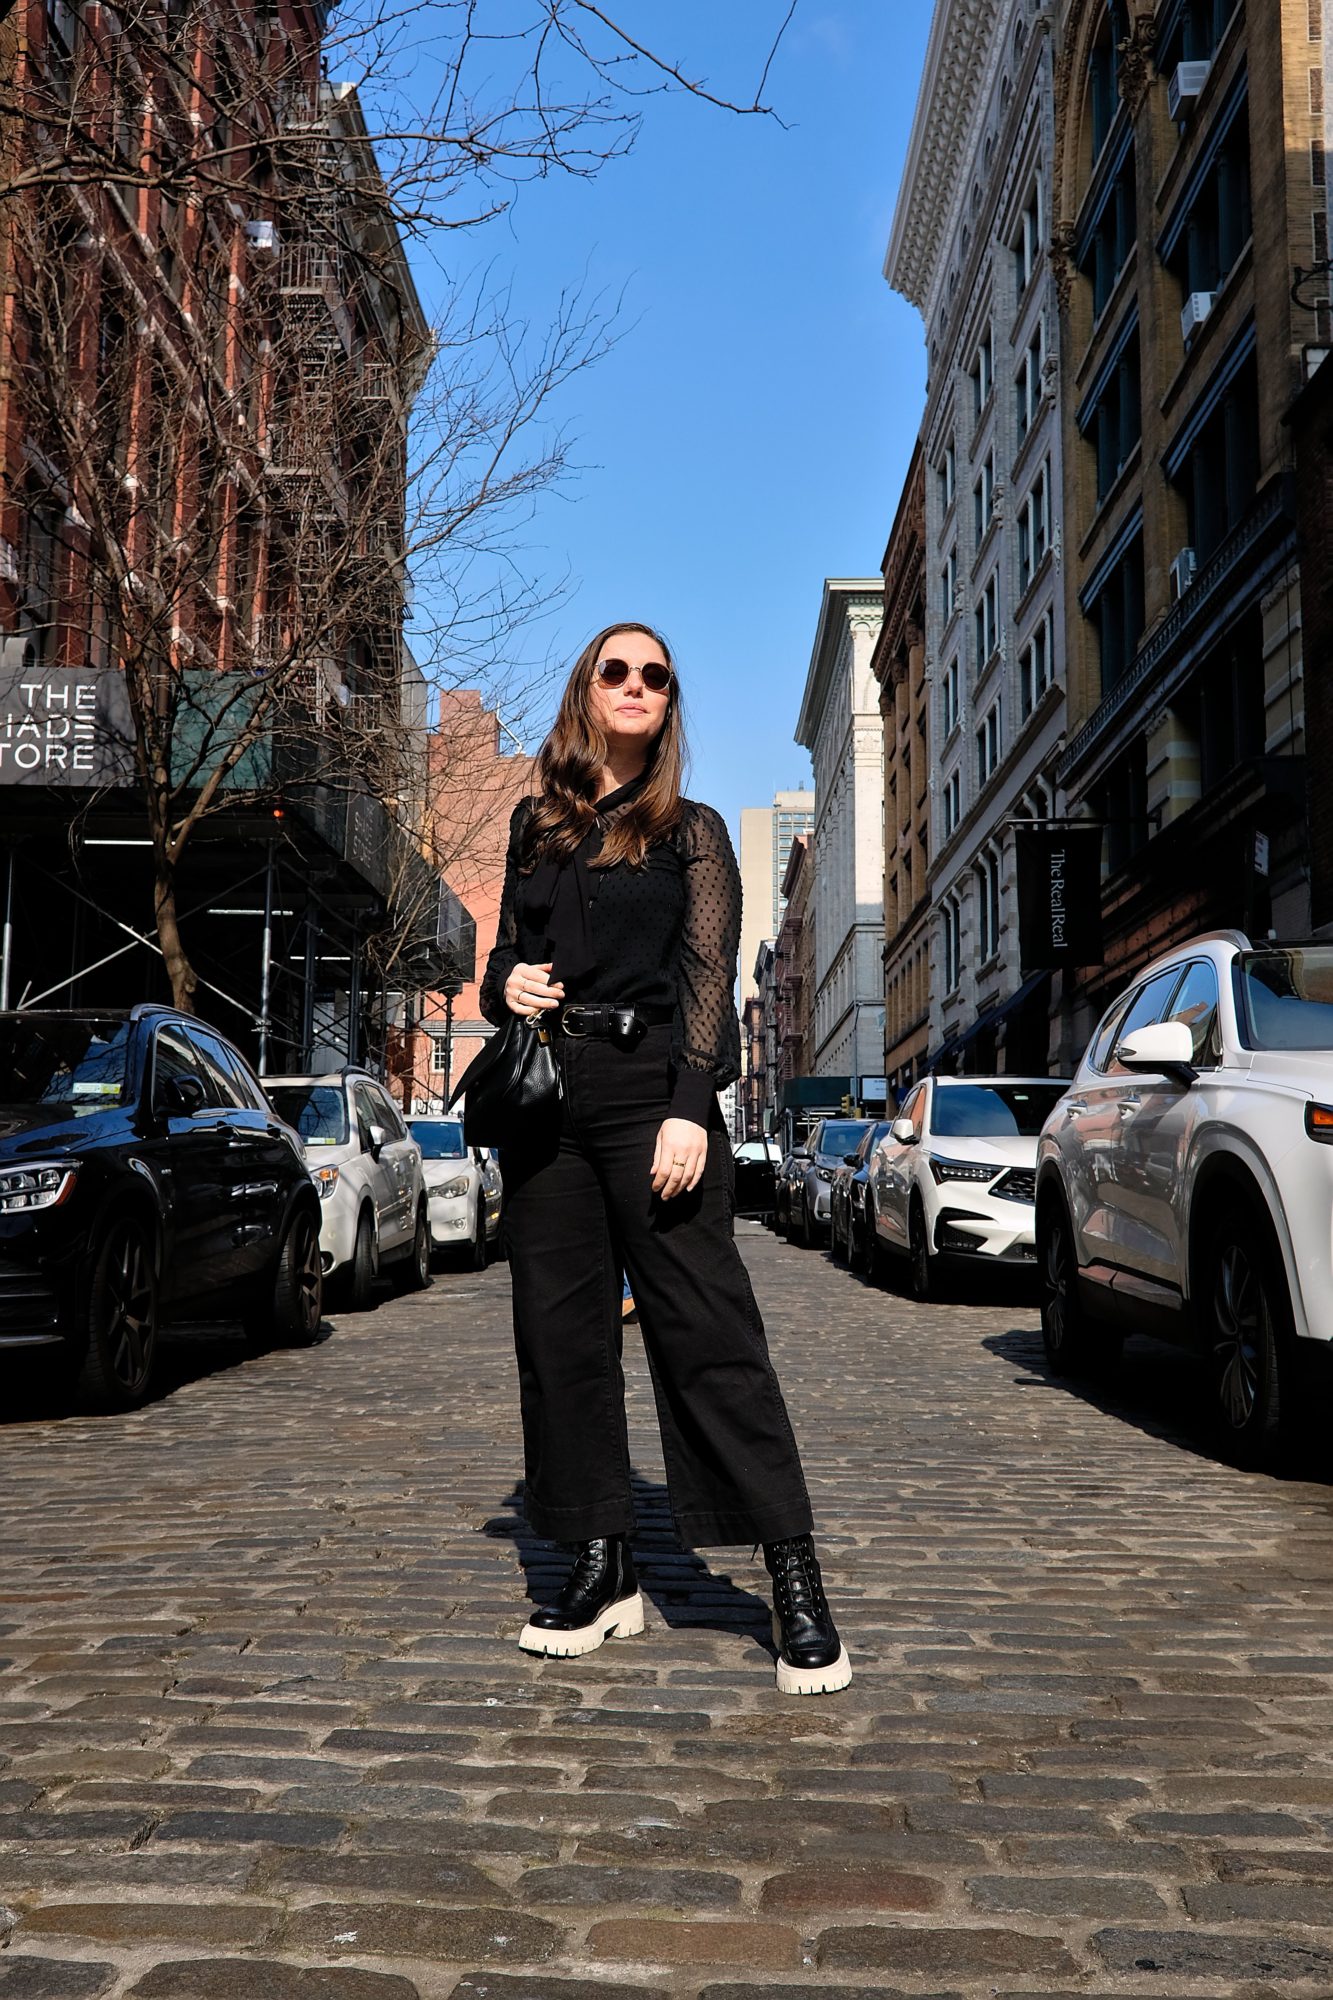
<point>811,1657</point>
<point>600,1600</point>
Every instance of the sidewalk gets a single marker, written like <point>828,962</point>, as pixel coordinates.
<point>265,1735</point>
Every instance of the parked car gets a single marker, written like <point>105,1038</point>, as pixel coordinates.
<point>757,1162</point>
<point>1185,1183</point>
<point>367,1169</point>
<point>463,1189</point>
<point>829,1144</point>
<point>847,1197</point>
<point>954,1179</point>
<point>143,1178</point>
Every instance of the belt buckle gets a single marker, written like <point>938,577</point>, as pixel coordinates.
<point>579,1034</point>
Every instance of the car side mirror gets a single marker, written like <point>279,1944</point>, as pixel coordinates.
<point>377,1138</point>
<point>180,1096</point>
<point>903,1131</point>
<point>1163,1048</point>
<point>851,1159</point>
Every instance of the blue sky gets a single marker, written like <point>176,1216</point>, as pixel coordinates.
<point>750,432</point>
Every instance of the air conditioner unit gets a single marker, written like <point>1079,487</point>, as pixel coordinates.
<point>262,238</point>
<point>1183,90</point>
<point>1197,308</point>
<point>18,653</point>
<point>1183,571</point>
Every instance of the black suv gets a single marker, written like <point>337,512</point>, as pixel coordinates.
<point>144,1176</point>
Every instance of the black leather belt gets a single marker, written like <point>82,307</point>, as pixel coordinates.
<point>611,1023</point>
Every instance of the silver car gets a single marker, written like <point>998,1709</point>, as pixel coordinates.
<point>367,1169</point>
<point>826,1150</point>
<point>463,1189</point>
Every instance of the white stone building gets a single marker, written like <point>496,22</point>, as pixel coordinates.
<point>840,726</point>
<point>767,833</point>
<point>970,250</point>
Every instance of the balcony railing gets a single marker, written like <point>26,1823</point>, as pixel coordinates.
<point>1165,637</point>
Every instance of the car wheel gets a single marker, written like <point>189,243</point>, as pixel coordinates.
<point>479,1257</point>
<point>121,1324</point>
<point>365,1263</point>
<point>1074,1346</point>
<point>1247,1324</point>
<point>413,1274</point>
<point>298,1288</point>
<point>920,1261</point>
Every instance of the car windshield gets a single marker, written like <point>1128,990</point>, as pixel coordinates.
<point>438,1138</point>
<point>75,1061</point>
<point>842,1138</point>
<point>992,1110</point>
<point>317,1111</point>
<point>1288,997</point>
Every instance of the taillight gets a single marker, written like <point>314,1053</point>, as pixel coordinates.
<point>1319,1123</point>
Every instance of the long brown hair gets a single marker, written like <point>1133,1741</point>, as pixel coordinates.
<point>570,762</point>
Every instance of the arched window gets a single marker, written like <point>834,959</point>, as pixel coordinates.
<point>1104,72</point>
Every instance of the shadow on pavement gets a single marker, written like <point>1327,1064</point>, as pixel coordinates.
<point>1158,1389</point>
<point>678,1581</point>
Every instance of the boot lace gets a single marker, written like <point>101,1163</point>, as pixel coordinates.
<point>798,1586</point>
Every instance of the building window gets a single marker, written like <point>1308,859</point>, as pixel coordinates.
<point>947,473</point>
<point>983,498</point>
<point>1027,387</point>
<point>1220,472</point>
<point>953,945</point>
<point>949,585</point>
<point>1036,667</point>
<point>988,905</point>
<point>953,802</point>
<point>1112,418</point>
<point>439,1055</point>
<point>1126,806</point>
<point>1202,243</point>
<point>949,698</point>
<point>1110,236</point>
<point>983,374</point>
<point>1034,528</point>
<point>988,622</point>
<point>1116,613</point>
<point>1027,243</point>
<point>988,746</point>
<point>1194,34</point>
<point>1104,73</point>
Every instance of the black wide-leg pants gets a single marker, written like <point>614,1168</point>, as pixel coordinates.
<point>578,1205</point>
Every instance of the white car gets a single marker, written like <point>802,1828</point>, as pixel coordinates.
<point>463,1190</point>
<point>1185,1183</point>
<point>954,1178</point>
<point>367,1168</point>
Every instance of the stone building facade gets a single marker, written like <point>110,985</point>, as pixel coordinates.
<point>899,665</point>
<point>794,966</point>
<point>840,726</point>
<point>970,248</point>
<point>1179,127</point>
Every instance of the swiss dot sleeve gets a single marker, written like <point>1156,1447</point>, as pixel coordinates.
<point>505,953</point>
<point>708,1039</point>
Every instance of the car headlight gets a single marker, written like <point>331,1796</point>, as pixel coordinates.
<point>1319,1123</point>
<point>823,1173</point>
<point>325,1179</point>
<point>959,1170</point>
<point>451,1188</point>
<point>40,1186</point>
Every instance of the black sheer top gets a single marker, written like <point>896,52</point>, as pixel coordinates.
<point>664,935</point>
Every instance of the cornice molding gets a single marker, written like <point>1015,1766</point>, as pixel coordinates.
<point>961,38</point>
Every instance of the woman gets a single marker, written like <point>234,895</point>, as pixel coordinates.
<point>618,929</point>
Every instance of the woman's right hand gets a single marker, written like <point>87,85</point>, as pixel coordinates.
<point>530,990</point>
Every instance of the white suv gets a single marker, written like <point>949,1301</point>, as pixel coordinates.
<point>1185,1183</point>
<point>953,1178</point>
<point>367,1168</point>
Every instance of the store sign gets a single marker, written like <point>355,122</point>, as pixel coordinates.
<point>65,726</point>
<point>1059,895</point>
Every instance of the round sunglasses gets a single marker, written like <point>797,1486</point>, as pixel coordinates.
<point>614,673</point>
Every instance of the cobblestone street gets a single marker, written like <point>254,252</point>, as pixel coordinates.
<point>265,1734</point>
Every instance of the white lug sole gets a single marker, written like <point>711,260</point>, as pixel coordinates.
<point>811,1680</point>
<point>619,1621</point>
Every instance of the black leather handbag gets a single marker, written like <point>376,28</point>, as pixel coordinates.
<point>510,1087</point>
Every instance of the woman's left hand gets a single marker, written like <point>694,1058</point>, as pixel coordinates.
<point>679,1158</point>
